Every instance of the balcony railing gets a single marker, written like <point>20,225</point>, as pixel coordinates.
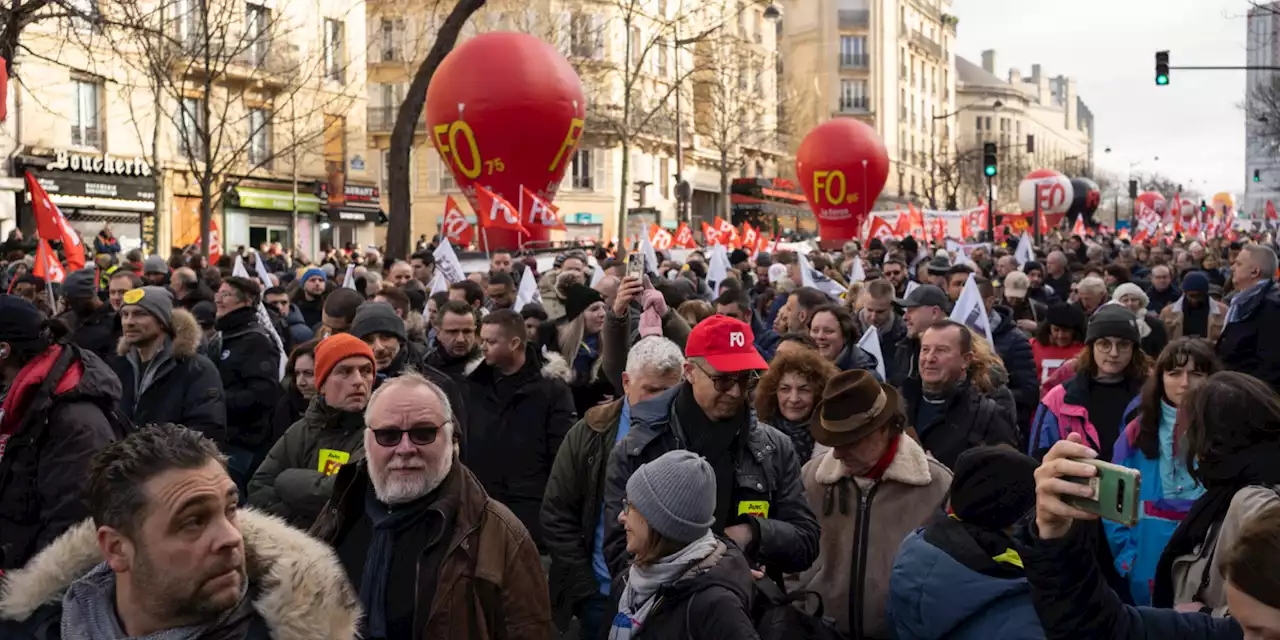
<point>854,104</point>
<point>854,18</point>
<point>923,41</point>
<point>383,120</point>
<point>86,136</point>
<point>854,60</point>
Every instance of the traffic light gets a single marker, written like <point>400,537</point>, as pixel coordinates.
<point>1256,177</point>
<point>1133,189</point>
<point>1162,68</point>
<point>1203,208</point>
<point>989,151</point>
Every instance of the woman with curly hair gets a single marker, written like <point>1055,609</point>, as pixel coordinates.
<point>788,392</point>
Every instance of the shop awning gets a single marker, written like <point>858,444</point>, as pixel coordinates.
<point>784,195</point>
<point>112,204</point>
<point>276,200</point>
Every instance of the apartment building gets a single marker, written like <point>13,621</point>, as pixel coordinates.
<point>888,63</point>
<point>137,116</point>
<point>655,41</point>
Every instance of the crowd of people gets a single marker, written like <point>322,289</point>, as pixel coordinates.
<point>316,452</point>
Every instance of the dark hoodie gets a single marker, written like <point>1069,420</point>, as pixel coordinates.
<point>712,600</point>
<point>54,435</point>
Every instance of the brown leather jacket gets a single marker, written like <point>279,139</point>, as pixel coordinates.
<point>490,583</point>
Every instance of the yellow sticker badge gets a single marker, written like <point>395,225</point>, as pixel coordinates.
<point>132,296</point>
<point>758,508</point>
<point>332,460</point>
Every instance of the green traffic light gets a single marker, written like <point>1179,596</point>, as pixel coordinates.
<point>1162,79</point>
<point>991,171</point>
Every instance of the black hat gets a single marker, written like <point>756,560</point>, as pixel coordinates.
<point>577,299</point>
<point>1032,265</point>
<point>378,317</point>
<point>1113,321</point>
<point>939,266</point>
<point>874,244</point>
<point>908,245</point>
<point>19,320</point>
<point>764,260</point>
<point>993,486</point>
<point>738,256</point>
<point>1061,314</point>
<point>205,312</point>
<point>926,295</point>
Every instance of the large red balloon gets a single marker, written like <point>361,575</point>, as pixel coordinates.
<point>842,165</point>
<point>1152,201</point>
<point>506,110</point>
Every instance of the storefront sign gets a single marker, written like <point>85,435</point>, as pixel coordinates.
<point>91,186</point>
<point>150,235</point>
<point>105,164</point>
<point>355,215</point>
<point>273,199</point>
<point>354,195</point>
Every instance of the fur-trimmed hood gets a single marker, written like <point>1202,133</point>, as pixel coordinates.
<point>554,366</point>
<point>302,590</point>
<point>910,466</point>
<point>186,336</point>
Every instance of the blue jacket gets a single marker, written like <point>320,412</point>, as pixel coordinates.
<point>1137,549</point>
<point>931,595</point>
<point>299,332</point>
<point>766,338</point>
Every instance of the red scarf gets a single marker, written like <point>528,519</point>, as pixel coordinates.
<point>28,381</point>
<point>887,459</point>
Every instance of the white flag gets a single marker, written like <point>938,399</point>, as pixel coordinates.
<point>447,261</point>
<point>438,283</point>
<point>263,274</point>
<point>597,274</point>
<point>717,269</point>
<point>970,312</point>
<point>650,256</point>
<point>349,278</point>
<point>856,274</point>
<point>1024,253</point>
<point>912,285</point>
<point>240,271</point>
<point>819,280</point>
<point>528,292</point>
<point>870,342</point>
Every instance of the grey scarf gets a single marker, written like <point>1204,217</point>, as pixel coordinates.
<point>639,596</point>
<point>89,613</point>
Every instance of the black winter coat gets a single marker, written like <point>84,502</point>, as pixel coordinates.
<point>180,386</point>
<point>705,604</point>
<point>889,340</point>
<point>969,419</point>
<point>1014,349</point>
<point>517,423</point>
<point>571,508</point>
<point>97,332</point>
<point>249,364</point>
<point>906,361</point>
<point>46,459</point>
<point>414,355</point>
<point>766,469</point>
<point>1251,344</point>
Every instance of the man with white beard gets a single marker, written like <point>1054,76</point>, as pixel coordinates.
<point>432,555</point>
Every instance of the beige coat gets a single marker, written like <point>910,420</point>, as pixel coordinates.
<point>910,492</point>
<point>1190,570</point>
<point>1171,316</point>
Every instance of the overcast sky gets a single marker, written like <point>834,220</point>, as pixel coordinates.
<point>1195,125</point>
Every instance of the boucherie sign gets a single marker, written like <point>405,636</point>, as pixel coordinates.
<point>104,164</point>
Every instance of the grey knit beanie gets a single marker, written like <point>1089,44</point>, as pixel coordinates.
<point>156,301</point>
<point>81,284</point>
<point>676,493</point>
<point>154,264</point>
<point>377,317</point>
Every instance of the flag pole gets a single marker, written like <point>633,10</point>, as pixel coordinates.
<point>484,235</point>
<point>519,235</point>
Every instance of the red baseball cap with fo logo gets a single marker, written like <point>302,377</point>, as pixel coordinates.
<point>726,344</point>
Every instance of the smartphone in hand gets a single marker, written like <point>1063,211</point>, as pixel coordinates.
<point>1116,491</point>
<point>635,265</point>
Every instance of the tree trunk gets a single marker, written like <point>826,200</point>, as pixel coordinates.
<point>399,226</point>
<point>622,192</point>
<point>725,207</point>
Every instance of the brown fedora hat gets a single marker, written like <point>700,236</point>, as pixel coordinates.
<point>853,406</point>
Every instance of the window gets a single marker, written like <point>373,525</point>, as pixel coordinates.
<point>448,184</point>
<point>978,123</point>
<point>664,178</point>
<point>384,156</point>
<point>636,47</point>
<point>853,51</point>
<point>581,170</point>
<point>986,124</point>
<point>187,22</point>
<point>662,61</point>
<point>334,53</point>
<point>586,36</point>
<point>256,19</point>
<point>190,127</point>
<point>85,14</point>
<point>853,95</point>
<point>259,137</point>
<point>391,39</point>
<point>86,130</point>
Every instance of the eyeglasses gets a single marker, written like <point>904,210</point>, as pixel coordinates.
<point>420,436</point>
<point>1118,346</point>
<point>626,506</point>
<point>723,383</point>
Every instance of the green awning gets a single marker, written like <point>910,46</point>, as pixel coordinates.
<point>277,200</point>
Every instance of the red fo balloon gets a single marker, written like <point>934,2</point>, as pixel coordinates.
<point>842,165</point>
<point>506,110</point>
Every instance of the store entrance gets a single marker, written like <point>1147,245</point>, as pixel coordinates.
<point>271,235</point>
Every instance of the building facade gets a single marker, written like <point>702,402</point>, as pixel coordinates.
<point>889,63</point>
<point>627,44</point>
<point>1037,121</point>
<point>1263,50</point>
<point>246,106</point>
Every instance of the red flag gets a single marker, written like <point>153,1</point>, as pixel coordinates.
<point>880,229</point>
<point>4,89</point>
<point>710,235</point>
<point>215,242</point>
<point>497,213</point>
<point>1271,211</point>
<point>728,235</point>
<point>541,212</point>
<point>1077,229</point>
<point>684,237</point>
<point>52,226</point>
<point>749,237</point>
<point>660,238</point>
<point>762,244</point>
<point>456,227</point>
<point>47,265</point>
<point>904,224</point>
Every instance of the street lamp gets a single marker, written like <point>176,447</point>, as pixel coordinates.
<point>933,162</point>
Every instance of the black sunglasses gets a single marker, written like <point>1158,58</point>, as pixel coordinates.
<point>418,435</point>
<point>723,383</point>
